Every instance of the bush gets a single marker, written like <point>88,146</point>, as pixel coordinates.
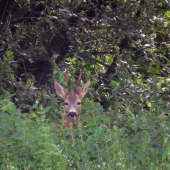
<point>28,141</point>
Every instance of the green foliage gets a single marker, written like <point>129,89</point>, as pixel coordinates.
<point>106,40</point>
<point>143,141</point>
<point>122,46</point>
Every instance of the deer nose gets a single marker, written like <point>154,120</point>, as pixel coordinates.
<point>72,115</point>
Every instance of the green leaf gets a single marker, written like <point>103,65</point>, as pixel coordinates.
<point>165,140</point>
<point>61,77</point>
<point>35,105</point>
<point>46,109</point>
<point>149,104</point>
<point>113,83</point>
<point>55,71</point>
<point>166,24</point>
<point>9,53</point>
<point>167,14</point>
<point>90,123</point>
<point>110,61</point>
<point>138,81</point>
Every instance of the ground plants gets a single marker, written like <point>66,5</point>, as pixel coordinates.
<point>29,141</point>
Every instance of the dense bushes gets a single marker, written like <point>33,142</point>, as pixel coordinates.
<point>28,141</point>
<point>122,46</point>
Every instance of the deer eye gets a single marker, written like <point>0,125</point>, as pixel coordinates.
<point>66,104</point>
<point>79,103</point>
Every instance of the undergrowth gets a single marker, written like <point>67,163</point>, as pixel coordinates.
<point>28,141</point>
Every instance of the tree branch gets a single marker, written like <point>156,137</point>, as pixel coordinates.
<point>94,59</point>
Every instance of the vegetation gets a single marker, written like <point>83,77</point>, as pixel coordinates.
<point>122,46</point>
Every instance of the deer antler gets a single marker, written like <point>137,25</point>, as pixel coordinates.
<point>68,80</point>
<point>78,82</point>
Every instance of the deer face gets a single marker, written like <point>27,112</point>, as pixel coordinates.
<point>73,105</point>
<point>72,100</point>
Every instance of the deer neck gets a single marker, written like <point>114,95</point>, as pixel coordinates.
<point>71,123</point>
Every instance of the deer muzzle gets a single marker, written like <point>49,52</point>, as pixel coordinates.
<point>72,115</point>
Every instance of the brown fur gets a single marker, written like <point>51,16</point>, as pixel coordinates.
<point>72,102</point>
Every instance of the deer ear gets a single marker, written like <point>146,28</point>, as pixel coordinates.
<point>60,91</point>
<point>83,89</point>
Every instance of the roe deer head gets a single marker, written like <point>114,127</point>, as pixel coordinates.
<point>72,101</point>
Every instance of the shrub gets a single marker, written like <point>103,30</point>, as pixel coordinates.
<point>30,142</point>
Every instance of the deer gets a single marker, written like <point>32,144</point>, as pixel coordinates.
<point>72,102</point>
